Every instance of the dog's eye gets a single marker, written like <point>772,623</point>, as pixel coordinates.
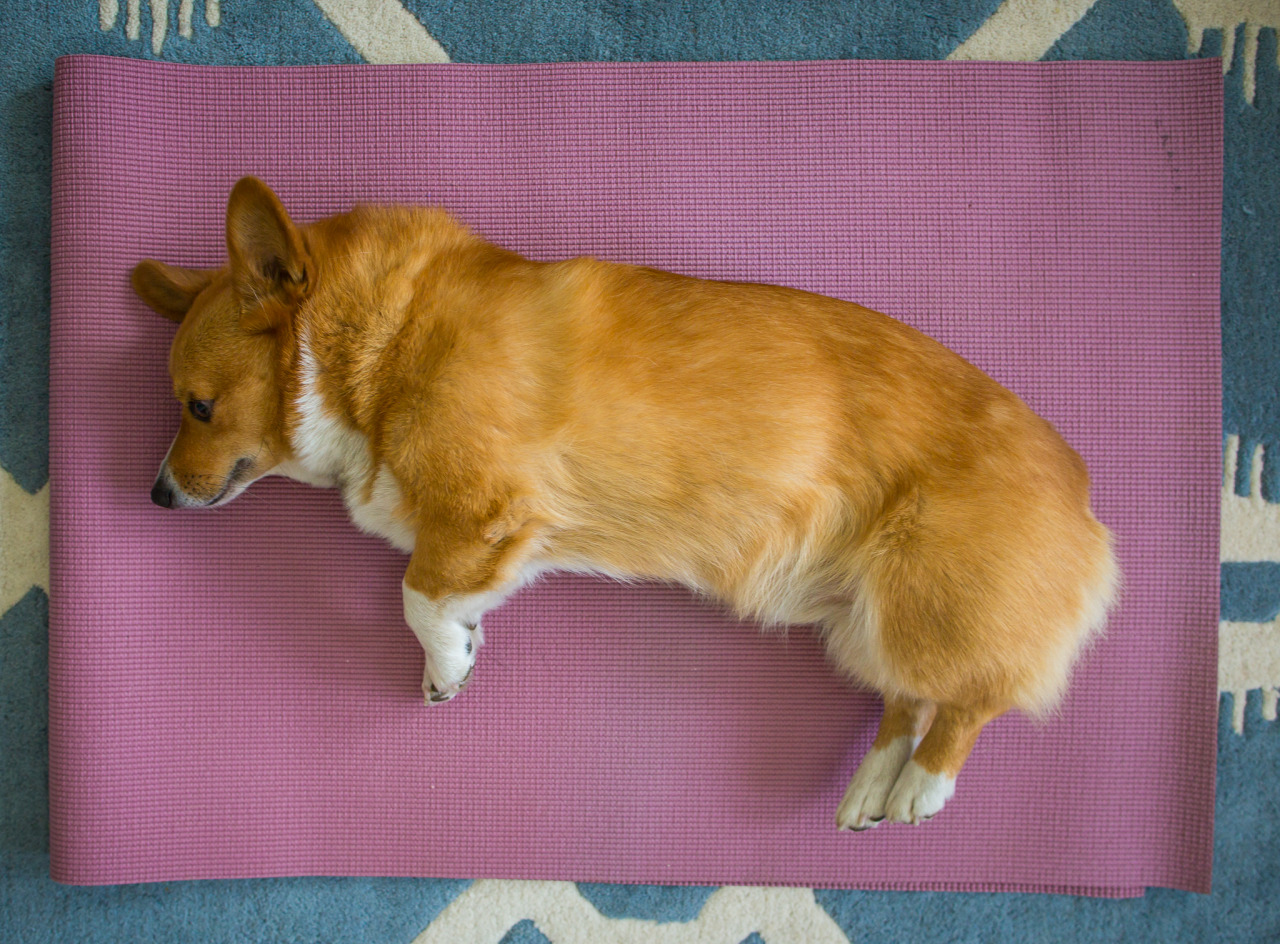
<point>201,409</point>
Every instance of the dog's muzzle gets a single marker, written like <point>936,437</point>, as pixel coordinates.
<point>167,494</point>
<point>162,492</point>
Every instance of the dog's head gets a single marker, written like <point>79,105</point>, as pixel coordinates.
<point>226,360</point>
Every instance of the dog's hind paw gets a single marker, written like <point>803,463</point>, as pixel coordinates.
<point>917,794</point>
<point>864,802</point>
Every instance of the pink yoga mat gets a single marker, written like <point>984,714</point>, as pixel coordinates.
<point>233,693</point>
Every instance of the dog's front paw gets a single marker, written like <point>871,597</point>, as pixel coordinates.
<point>917,794</point>
<point>450,663</point>
<point>437,692</point>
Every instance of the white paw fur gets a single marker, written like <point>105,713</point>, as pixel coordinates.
<point>446,672</point>
<point>864,802</point>
<point>918,794</point>
<point>449,645</point>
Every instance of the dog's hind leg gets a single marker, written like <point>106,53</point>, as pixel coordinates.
<point>928,779</point>
<point>903,724</point>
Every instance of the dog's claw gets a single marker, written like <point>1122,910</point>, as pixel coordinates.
<point>869,823</point>
<point>437,697</point>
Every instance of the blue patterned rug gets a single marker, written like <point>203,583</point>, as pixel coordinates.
<point>1245,904</point>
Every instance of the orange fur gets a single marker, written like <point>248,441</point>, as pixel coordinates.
<point>903,717</point>
<point>803,459</point>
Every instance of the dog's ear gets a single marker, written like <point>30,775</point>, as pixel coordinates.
<point>170,290</point>
<point>269,259</point>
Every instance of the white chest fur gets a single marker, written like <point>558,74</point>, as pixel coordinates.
<point>328,452</point>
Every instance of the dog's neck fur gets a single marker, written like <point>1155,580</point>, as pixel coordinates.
<point>339,361</point>
<point>372,265</point>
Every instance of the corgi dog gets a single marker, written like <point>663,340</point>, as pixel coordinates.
<point>802,459</point>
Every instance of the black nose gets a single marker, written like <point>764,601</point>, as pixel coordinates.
<point>162,494</point>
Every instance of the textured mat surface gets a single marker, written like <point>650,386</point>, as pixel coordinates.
<point>233,694</point>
